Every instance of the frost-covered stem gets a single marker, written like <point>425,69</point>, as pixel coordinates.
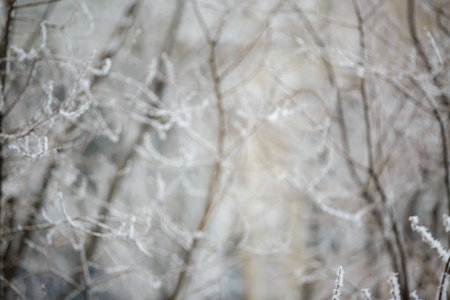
<point>444,144</point>
<point>414,296</point>
<point>214,182</point>
<point>428,238</point>
<point>395,287</point>
<point>33,37</point>
<point>420,49</point>
<point>117,38</point>
<point>366,294</point>
<point>400,264</point>
<point>158,87</point>
<point>339,283</point>
<point>371,170</point>
<point>130,12</point>
<point>434,244</point>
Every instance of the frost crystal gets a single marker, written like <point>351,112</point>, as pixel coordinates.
<point>428,238</point>
<point>446,223</point>
<point>414,296</point>
<point>366,294</point>
<point>339,283</point>
<point>395,287</point>
<point>22,55</point>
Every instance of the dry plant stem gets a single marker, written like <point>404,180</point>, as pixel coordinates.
<point>158,87</point>
<point>413,32</point>
<point>437,8</point>
<point>443,97</point>
<point>26,85</point>
<point>120,30</point>
<point>9,8</point>
<point>13,288</point>
<point>8,5</point>
<point>445,159</point>
<point>402,268</point>
<point>32,38</point>
<point>402,271</point>
<point>85,272</point>
<point>4,44</point>
<point>37,3</point>
<point>444,142</point>
<point>214,182</point>
<point>442,292</point>
<point>420,49</point>
<point>11,259</point>
<point>92,244</point>
<point>439,13</point>
<point>332,81</point>
<point>390,247</point>
<point>21,229</point>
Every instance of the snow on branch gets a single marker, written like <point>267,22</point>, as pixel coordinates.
<point>339,283</point>
<point>428,238</point>
<point>366,294</point>
<point>395,287</point>
<point>446,223</point>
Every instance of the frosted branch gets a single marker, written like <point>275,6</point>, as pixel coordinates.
<point>428,238</point>
<point>339,283</point>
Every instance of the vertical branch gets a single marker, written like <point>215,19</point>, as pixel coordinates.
<point>158,87</point>
<point>402,271</point>
<point>443,97</point>
<point>5,39</point>
<point>445,159</point>
<point>442,292</point>
<point>414,36</point>
<point>331,76</point>
<point>363,88</point>
<point>390,246</point>
<point>13,255</point>
<point>85,271</point>
<point>4,44</point>
<point>214,182</point>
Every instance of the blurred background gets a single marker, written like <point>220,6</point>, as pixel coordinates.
<point>222,149</point>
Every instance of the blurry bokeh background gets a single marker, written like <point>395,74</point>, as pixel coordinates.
<point>221,149</point>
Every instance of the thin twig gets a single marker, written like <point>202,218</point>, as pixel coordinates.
<point>441,294</point>
<point>214,182</point>
<point>331,76</point>
<point>12,287</point>
<point>31,4</point>
<point>403,274</point>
